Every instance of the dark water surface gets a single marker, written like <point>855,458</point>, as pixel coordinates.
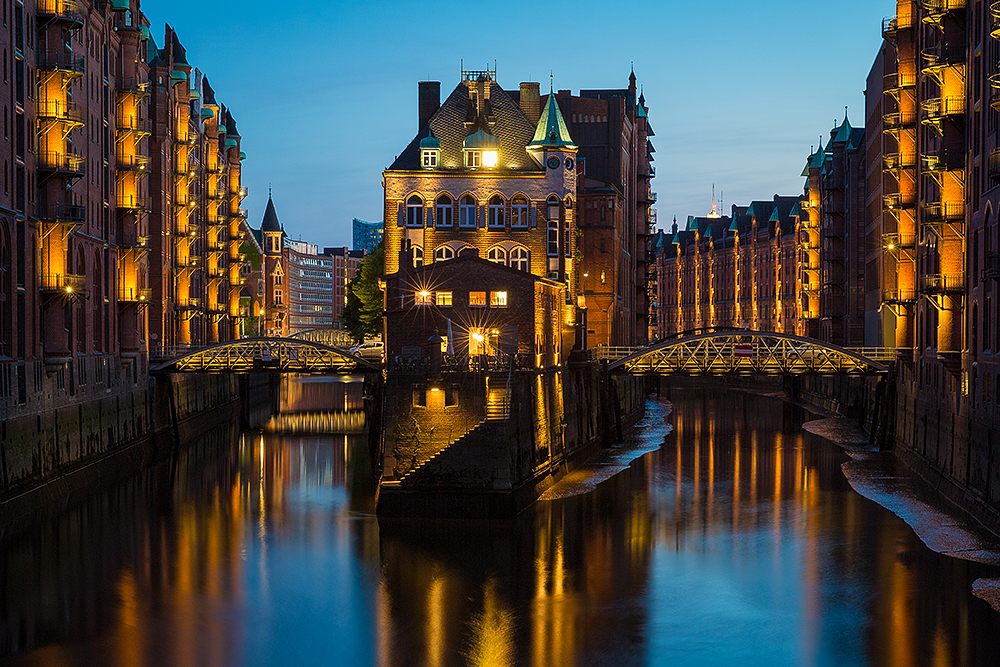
<point>738,542</point>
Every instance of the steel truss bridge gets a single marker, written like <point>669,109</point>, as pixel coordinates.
<point>744,352</point>
<point>286,355</point>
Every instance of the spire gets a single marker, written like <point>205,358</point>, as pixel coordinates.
<point>551,131</point>
<point>715,209</point>
<point>270,222</point>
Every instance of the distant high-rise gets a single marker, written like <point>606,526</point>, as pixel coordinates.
<point>366,235</point>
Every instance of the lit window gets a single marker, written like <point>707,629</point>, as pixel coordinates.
<point>444,253</point>
<point>444,211</point>
<point>418,256</point>
<point>429,158</point>
<point>414,212</point>
<point>477,299</point>
<point>472,158</point>
<point>496,212</point>
<point>467,212</point>
<point>498,255</point>
<point>519,259</point>
<point>519,212</point>
<point>422,298</point>
<point>490,158</point>
<point>498,299</point>
<point>277,297</point>
<point>443,299</point>
<point>553,238</point>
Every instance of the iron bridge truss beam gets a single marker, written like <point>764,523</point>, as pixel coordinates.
<point>286,355</point>
<point>747,353</point>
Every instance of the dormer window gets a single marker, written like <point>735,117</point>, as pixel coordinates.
<point>481,149</point>
<point>430,149</point>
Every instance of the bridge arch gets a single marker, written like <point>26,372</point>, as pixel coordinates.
<point>746,352</point>
<point>288,355</point>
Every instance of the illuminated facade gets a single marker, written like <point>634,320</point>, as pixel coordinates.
<point>195,217</point>
<point>490,172</point>
<point>616,222</point>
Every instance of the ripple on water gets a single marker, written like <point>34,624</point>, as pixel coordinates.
<point>646,436</point>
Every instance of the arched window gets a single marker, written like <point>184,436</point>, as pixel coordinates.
<point>498,255</point>
<point>467,212</point>
<point>443,214</point>
<point>496,212</point>
<point>414,212</point>
<point>444,253</point>
<point>552,208</point>
<point>519,259</point>
<point>567,236</point>
<point>519,213</point>
<point>418,256</point>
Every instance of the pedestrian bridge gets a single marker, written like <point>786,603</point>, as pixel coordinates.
<point>744,352</point>
<point>286,355</point>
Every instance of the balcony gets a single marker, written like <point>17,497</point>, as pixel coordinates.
<point>60,61</point>
<point>936,10</point>
<point>899,296</point>
<point>186,139</point>
<point>893,25</point>
<point>132,240</point>
<point>935,110</point>
<point>243,192</point>
<point>898,120</point>
<point>63,163</point>
<point>942,160</point>
<point>940,284</point>
<point>993,165</point>
<point>188,303</point>
<point>61,111</point>
<point>992,268</point>
<point>217,196</point>
<point>995,16</point>
<point>897,161</point>
<point>134,295</point>
<point>132,163</point>
<point>895,202</point>
<point>143,126</point>
<point>65,283</point>
<point>893,241</point>
<point>66,12</point>
<point>189,262</point>
<point>647,199</point>
<point>893,83</point>
<point>185,201</point>
<point>63,214</point>
<point>938,212</point>
<point>132,203</point>
<point>133,86</point>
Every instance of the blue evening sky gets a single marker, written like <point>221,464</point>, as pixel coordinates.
<point>325,94</point>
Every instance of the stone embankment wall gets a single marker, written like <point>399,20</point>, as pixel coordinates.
<point>492,468</point>
<point>60,456</point>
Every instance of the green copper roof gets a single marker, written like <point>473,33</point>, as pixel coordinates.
<point>178,76</point>
<point>119,4</point>
<point>551,131</point>
<point>243,156</point>
<point>480,140</point>
<point>144,32</point>
<point>222,128</point>
<point>639,111</point>
<point>844,131</point>
<point>206,113</point>
<point>817,159</point>
<point>795,210</point>
<point>775,217</point>
<point>430,141</point>
<point>230,143</point>
<point>194,95</point>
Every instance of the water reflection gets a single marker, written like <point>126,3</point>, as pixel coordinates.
<point>737,542</point>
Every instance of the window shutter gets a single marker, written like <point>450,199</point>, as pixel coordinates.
<point>401,215</point>
<point>430,216</point>
<point>533,212</point>
<point>482,216</point>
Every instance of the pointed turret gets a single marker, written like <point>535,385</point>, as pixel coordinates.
<point>270,222</point>
<point>551,131</point>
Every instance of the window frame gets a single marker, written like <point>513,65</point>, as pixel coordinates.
<point>498,299</point>
<point>444,212</point>
<point>525,258</point>
<point>442,250</point>
<point>467,212</point>
<point>497,255</point>
<point>428,158</point>
<point>414,212</point>
<point>519,212</point>
<point>479,296</point>
<point>495,212</point>
<point>444,299</point>
<point>423,299</point>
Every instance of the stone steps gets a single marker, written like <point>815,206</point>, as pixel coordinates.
<point>423,462</point>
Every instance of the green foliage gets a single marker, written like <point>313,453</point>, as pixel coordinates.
<point>362,315</point>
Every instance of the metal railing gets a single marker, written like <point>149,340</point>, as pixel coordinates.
<point>132,202</point>
<point>131,162</point>
<point>61,110</point>
<point>941,284</point>
<point>62,282</point>
<point>899,296</point>
<point>942,107</point>
<point>131,84</point>
<point>63,162</point>
<point>135,295</point>
<point>941,212</point>
<point>134,124</point>
<point>895,161</point>
<point>63,213</point>
<point>63,10</point>
<point>61,61</point>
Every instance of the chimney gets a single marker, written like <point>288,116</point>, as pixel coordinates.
<point>429,100</point>
<point>529,101</point>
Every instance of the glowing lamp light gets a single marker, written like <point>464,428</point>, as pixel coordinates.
<point>477,337</point>
<point>490,158</point>
<point>892,246</point>
<point>69,289</point>
<point>435,389</point>
<point>424,293</point>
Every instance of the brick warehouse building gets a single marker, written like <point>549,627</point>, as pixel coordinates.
<point>85,278</point>
<point>480,174</point>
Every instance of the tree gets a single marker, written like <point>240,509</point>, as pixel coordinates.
<point>362,314</point>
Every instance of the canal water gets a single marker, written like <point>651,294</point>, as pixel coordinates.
<point>721,534</point>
